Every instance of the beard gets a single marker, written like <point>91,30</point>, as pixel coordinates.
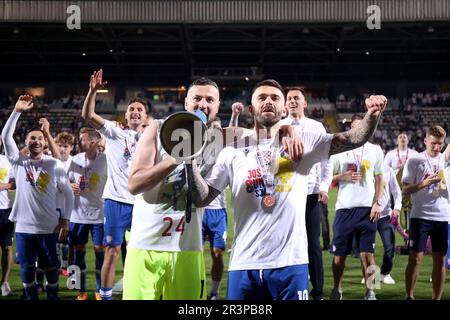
<point>268,121</point>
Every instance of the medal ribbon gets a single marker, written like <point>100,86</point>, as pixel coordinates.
<point>433,170</point>
<point>399,160</point>
<point>358,161</point>
<point>267,169</point>
<point>35,171</point>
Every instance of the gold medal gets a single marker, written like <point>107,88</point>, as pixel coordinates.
<point>268,201</point>
<point>435,193</point>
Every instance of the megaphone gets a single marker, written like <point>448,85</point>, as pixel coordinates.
<point>184,135</point>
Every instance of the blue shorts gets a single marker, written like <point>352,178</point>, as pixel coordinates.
<point>30,246</point>
<point>287,283</point>
<point>215,227</point>
<point>6,228</point>
<point>117,221</point>
<point>420,229</point>
<point>349,223</point>
<point>79,233</point>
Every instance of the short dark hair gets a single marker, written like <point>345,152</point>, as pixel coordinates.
<point>203,82</point>
<point>296,89</point>
<point>34,129</point>
<point>357,116</point>
<point>436,131</point>
<point>139,100</point>
<point>91,132</point>
<point>269,83</point>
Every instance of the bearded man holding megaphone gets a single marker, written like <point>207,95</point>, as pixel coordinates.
<point>165,249</point>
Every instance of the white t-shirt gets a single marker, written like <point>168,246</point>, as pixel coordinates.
<point>159,214</point>
<point>66,164</point>
<point>91,175</point>
<point>218,203</point>
<point>5,174</point>
<point>119,149</point>
<point>397,158</point>
<point>37,186</point>
<point>424,204</point>
<point>367,159</point>
<point>320,176</point>
<point>34,209</point>
<point>263,239</point>
<point>391,187</point>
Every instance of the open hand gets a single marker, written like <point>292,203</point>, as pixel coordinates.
<point>97,81</point>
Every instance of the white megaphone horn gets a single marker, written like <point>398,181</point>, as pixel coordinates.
<point>184,135</point>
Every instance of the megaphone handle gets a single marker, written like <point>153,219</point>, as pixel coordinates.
<point>188,211</point>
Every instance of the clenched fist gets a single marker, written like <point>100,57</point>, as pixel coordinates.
<point>376,104</point>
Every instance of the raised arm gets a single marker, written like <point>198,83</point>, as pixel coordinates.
<point>88,112</point>
<point>145,172</point>
<point>236,109</point>
<point>357,136</point>
<point>45,127</point>
<point>202,193</point>
<point>447,153</point>
<point>24,103</point>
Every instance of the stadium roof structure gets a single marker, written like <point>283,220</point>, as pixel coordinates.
<point>323,47</point>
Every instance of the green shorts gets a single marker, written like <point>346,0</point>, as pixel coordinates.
<point>152,275</point>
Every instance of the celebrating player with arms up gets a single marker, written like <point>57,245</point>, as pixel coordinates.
<point>120,147</point>
<point>38,179</point>
<point>269,253</point>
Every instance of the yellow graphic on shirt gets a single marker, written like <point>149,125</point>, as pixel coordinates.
<point>94,179</point>
<point>43,181</point>
<point>3,175</point>
<point>443,183</point>
<point>284,175</point>
<point>365,166</point>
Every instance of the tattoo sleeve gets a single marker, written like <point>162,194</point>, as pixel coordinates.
<point>202,193</point>
<point>356,137</point>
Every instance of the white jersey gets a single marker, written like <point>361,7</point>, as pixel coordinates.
<point>66,164</point>
<point>268,238</point>
<point>119,149</point>
<point>37,186</point>
<point>368,160</point>
<point>91,176</point>
<point>218,203</point>
<point>159,214</point>
<point>397,158</point>
<point>320,176</point>
<point>391,187</point>
<point>5,174</point>
<point>424,204</point>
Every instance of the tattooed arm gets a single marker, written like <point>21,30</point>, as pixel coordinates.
<point>202,193</point>
<point>359,135</point>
